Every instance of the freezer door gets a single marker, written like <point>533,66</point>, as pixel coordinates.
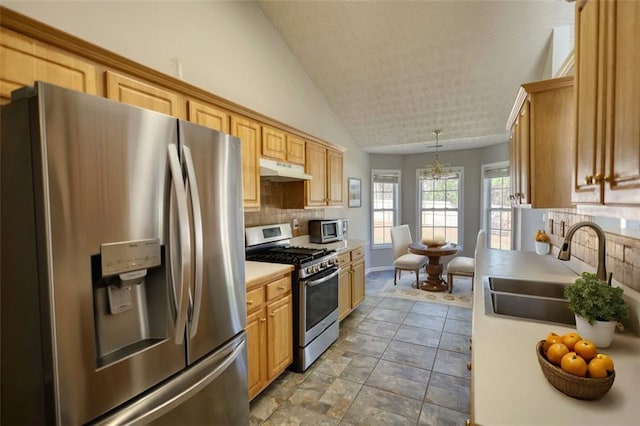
<point>213,391</point>
<point>100,185</point>
<point>214,173</point>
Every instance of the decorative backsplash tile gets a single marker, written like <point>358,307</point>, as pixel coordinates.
<point>622,252</point>
<point>271,211</point>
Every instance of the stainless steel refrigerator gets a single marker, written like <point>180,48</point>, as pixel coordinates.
<point>122,286</point>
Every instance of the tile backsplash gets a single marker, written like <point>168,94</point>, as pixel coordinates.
<point>622,252</point>
<point>271,201</point>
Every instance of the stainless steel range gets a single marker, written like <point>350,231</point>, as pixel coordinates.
<point>314,288</point>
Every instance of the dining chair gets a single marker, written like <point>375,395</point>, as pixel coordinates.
<point>464,266</point>
<point>403,260</point>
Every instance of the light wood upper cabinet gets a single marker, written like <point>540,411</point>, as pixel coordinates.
<point>295,149</point>
<point>622,137</point>
<point>144,95</point>
<point>316,189</point>
<point>208,116</point>
<point>334,178</point>
<point>24,61</point>
<point>607,157</point>
<point>282,146</point>
<point>249,133</point>
<point>274,143</point>
<point>542,144</point>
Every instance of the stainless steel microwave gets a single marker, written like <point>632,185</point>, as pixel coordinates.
<point>326,230</point>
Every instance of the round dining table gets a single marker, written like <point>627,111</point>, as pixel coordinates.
<point>434,281</point>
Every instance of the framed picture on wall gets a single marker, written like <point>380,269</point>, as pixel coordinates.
<point>355,192</point>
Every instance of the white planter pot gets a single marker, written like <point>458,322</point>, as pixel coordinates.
<point>601,333</point>
<point>542,248</point>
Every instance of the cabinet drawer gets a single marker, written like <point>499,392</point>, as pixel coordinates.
<point>255,299</point>
<point>278,288</point>
<point>357,253</point>
<point>344,259</point>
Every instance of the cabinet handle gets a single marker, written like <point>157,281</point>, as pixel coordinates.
<point>467,422</point>
<point>469,365</point>
<point>608,178</point>
<point>249,302</point>
<point>280,287</point>
<point>598,178</point>
<point>272,314</point>
<point>588,179</point>
<point>263,319</point>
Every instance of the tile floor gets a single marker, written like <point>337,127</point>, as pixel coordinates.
<point>396,362</point>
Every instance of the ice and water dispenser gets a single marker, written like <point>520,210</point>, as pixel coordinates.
<point>129,299</point>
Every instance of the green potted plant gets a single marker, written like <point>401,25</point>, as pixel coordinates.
<point>598,308</point>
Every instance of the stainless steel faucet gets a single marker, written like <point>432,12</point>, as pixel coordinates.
<point>565,251</point>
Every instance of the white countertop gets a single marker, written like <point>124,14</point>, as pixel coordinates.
<point>256,272</point>
<point>508,385</point>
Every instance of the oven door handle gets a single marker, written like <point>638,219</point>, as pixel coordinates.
<point>313,283</point>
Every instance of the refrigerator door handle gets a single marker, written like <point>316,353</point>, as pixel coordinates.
<point>177,390</point>
<point>182,298</point>
<point>198,237</point>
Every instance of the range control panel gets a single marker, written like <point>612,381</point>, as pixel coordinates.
<point>127,256</point>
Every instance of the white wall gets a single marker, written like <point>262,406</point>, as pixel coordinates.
<point>227,48</point>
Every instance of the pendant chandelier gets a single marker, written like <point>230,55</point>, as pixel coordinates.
<point>437,170</point>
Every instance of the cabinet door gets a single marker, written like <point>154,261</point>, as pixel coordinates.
<point>357,283</point>
<point>334,178</point>
<point>514,170</point>
<point>589,82</point>
<point>622,170</point>
<point>524,160</point>
<point>274,143</point>
<point>316,189</point>
<point>249,133</point>
<point>295,149</point>
<point>143,95</point>
<point>23,61</point>
<point>256,351</point>
<point>208,116</point>
<point>344,292</point>
<point>279,336</point>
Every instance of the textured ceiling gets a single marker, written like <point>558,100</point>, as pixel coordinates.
<point>395,70</point>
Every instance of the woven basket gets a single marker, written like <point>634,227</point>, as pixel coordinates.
<point>574,386</point>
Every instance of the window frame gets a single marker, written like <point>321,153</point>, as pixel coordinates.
<point>396,209</point>
<point>455,169</point>
<point>485,198</point>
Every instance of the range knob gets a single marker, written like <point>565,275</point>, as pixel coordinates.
<point>324,264</point>
<point>309,270</point>
<point>316,268</point>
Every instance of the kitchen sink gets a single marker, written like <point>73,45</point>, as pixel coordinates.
<point>527,300</point>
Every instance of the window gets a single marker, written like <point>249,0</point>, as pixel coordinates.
<point>497,185</point>
<point>385,205</point>
<point>439,204</point>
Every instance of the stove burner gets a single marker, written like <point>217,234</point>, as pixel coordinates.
<point>289,255</point>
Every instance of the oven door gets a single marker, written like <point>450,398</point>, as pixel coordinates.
<point>318,304</point>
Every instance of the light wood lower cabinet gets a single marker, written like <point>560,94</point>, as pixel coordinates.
<point>269,332</point>
<point>351,282</point>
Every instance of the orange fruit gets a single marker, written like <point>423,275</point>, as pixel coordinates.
<point>550,340</point>
<point>598,368</point>
<point>586,349</point>
<point>556,352</point>
<point>574,364</point>
<point>570,339</point>
<point>608,361</point>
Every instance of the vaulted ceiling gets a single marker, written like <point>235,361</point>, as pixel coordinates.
<point>393,71</point>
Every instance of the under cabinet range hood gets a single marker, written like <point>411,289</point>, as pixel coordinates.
<point>278,171</point>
